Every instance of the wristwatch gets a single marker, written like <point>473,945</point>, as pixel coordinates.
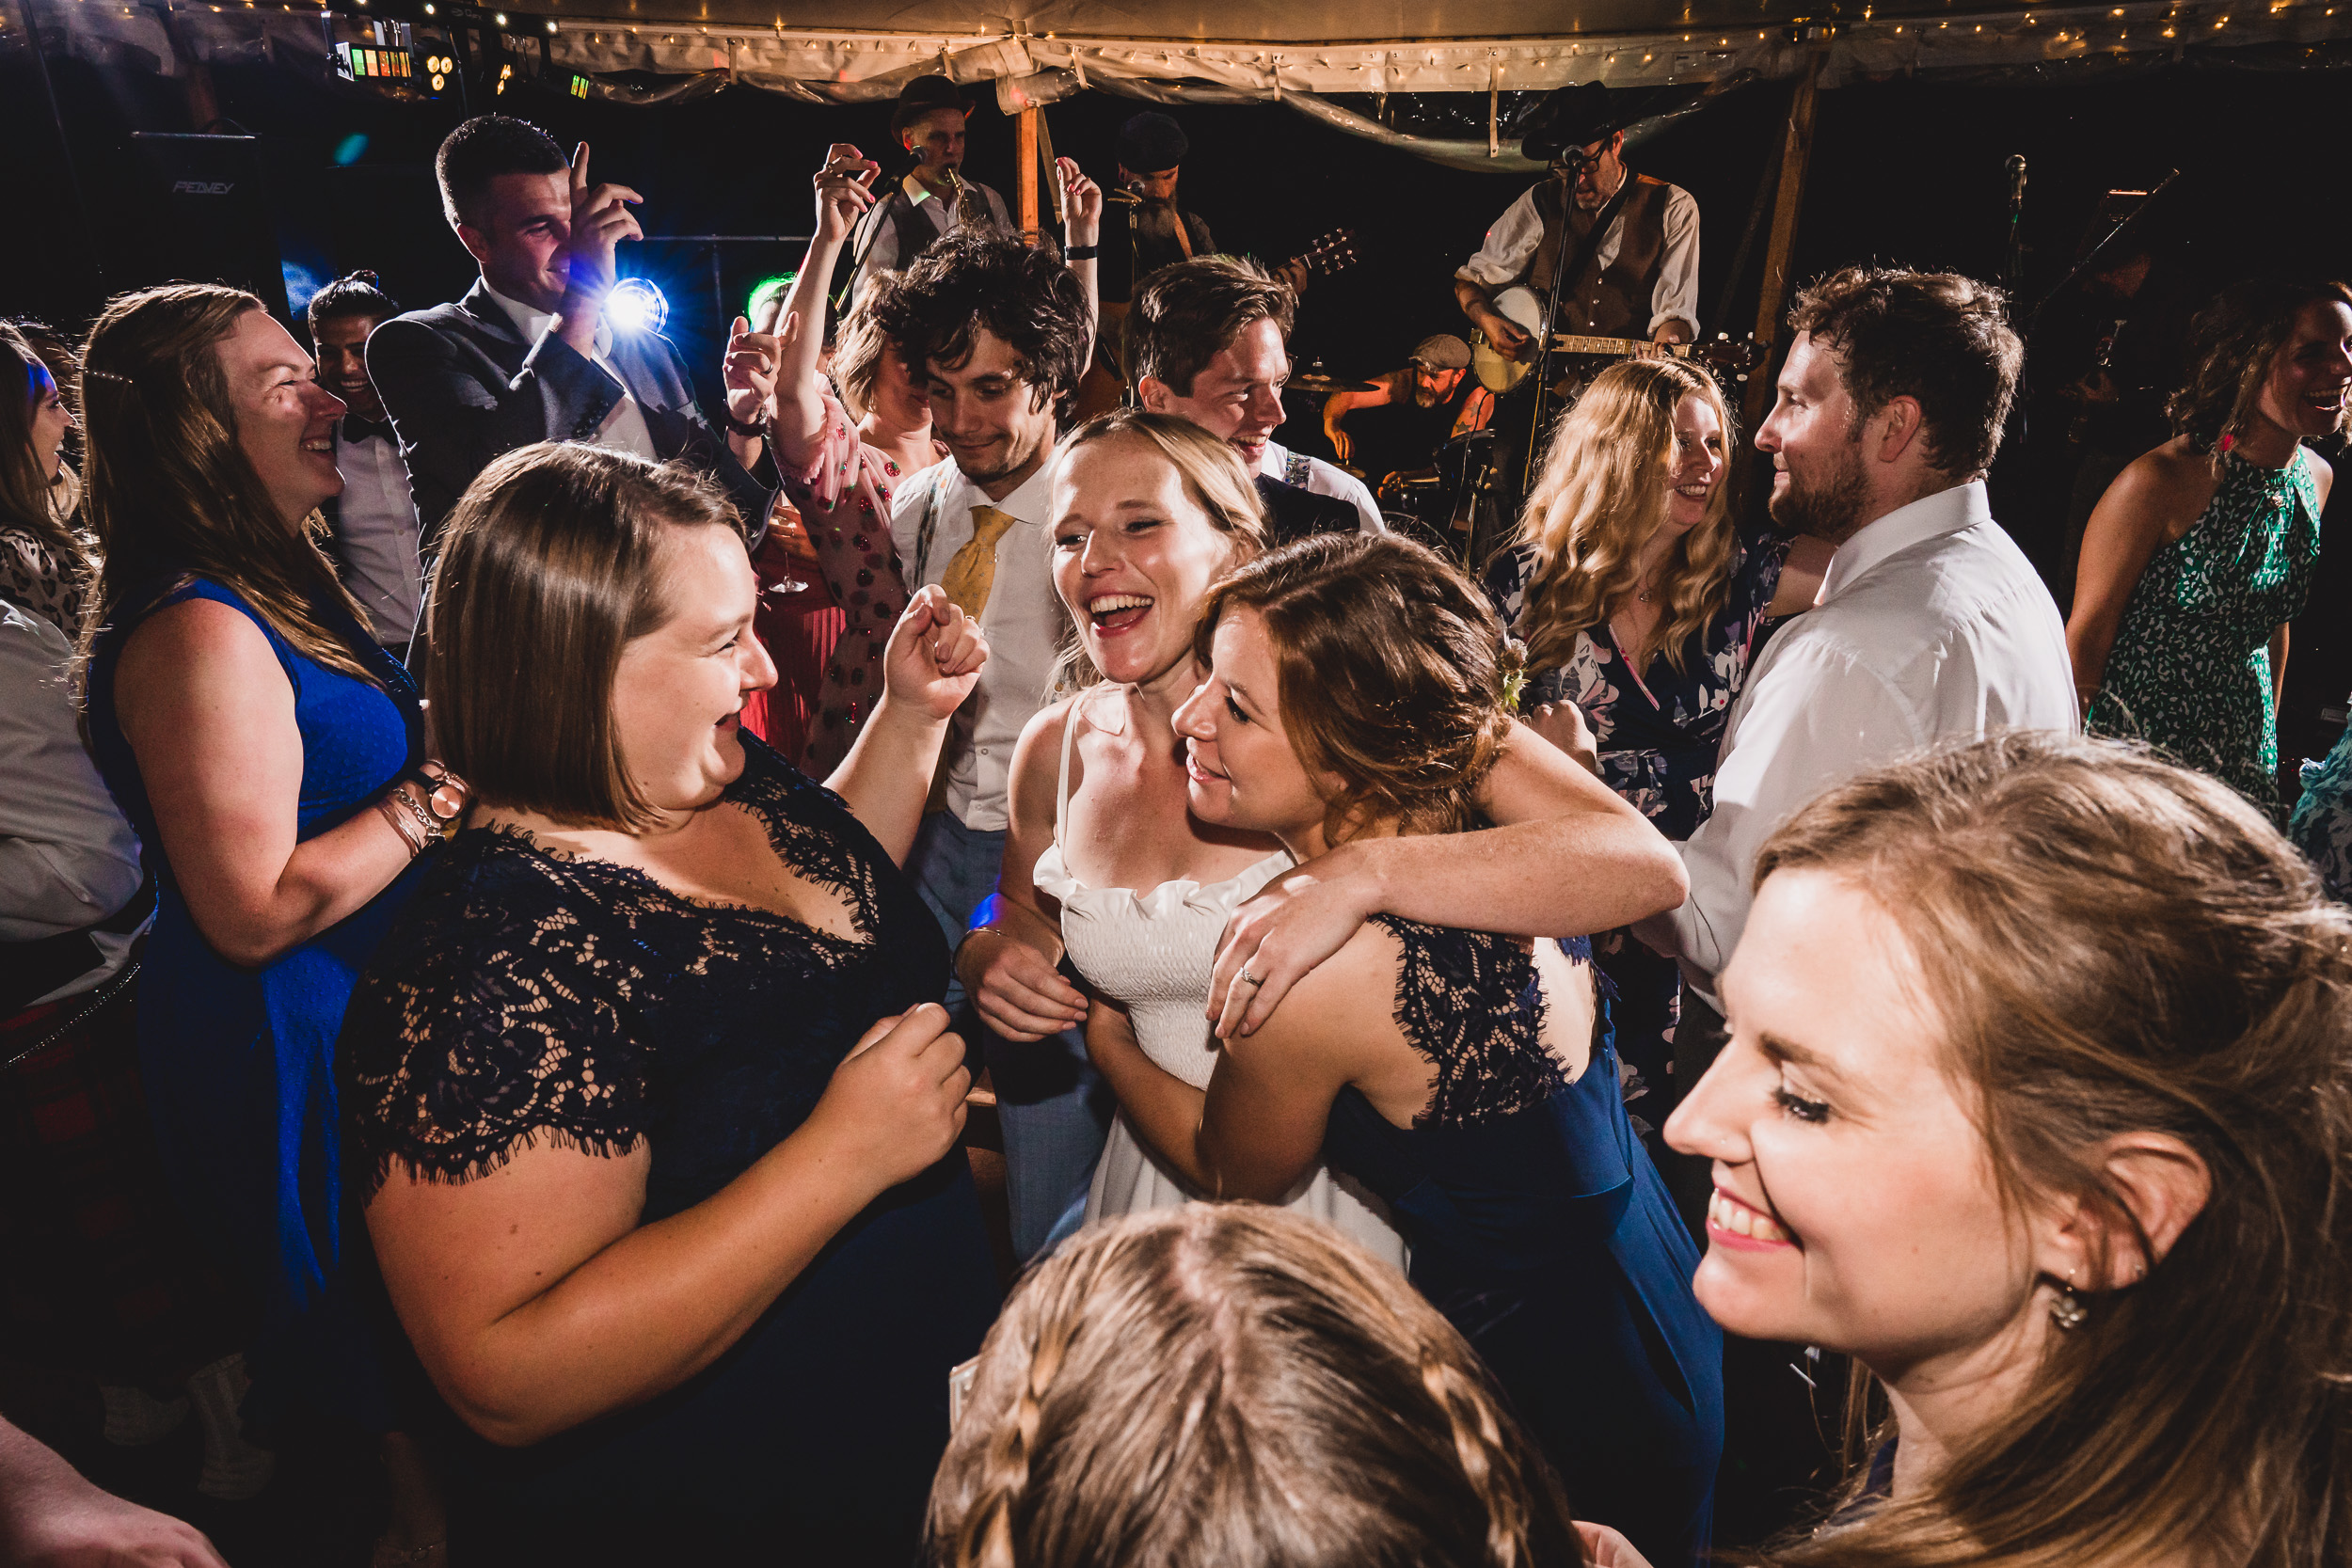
<point>445,795</point>
<point>726,417</point>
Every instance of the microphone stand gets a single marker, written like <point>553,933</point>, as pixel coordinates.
<point>1543,359</point>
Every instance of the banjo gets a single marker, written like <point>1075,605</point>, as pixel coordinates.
<point>1498,371</point>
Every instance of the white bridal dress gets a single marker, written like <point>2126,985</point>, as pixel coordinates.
<point>1153,953</point>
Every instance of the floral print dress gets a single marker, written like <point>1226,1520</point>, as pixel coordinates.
<point>1658,732</point>
<point>2191,670</point>
<point>844,502</point>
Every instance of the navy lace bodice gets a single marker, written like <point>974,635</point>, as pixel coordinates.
<point>528,999</point>
<point>1540,1228</point>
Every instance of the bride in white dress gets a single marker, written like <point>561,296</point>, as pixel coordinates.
<point>1105,864</point>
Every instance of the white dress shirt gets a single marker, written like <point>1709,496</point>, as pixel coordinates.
<point>375,534</point>
<point>68,857</point>
<point>624,429</point>
<point>1314,474</point>
<point>1931,627</point>
<point>875,241</point>
<point>1023,621</point>
<point>1511,246</point>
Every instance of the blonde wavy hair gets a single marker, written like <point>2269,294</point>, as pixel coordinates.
<point>1214,480</point>
<point>1602,493</point>
<point>1231,1384</point>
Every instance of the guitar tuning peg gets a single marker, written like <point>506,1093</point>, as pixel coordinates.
<point>1722,337</point>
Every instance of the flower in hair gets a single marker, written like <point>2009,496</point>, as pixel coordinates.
<point>1514,662</point>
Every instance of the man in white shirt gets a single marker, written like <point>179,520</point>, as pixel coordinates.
<point>372,525</point>
<point>1931,627</point>
<point>1642,279</point>
<point>529,354</point>
<point>1001,333</point>
<point>1207,340</point>
<point>932,196</point>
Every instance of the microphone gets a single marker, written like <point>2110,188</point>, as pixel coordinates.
<point>2016,178</point>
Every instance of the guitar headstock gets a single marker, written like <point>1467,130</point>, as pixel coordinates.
<point>1730,358</point>
<point>1334,252</point>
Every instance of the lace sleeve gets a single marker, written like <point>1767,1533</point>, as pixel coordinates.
<point>1471,1003</point>
<point>492,1018</point>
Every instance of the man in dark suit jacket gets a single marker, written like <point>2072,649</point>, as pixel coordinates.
<point>527,355</point>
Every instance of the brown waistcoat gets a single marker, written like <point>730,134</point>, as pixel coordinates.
<point>1616,301</point>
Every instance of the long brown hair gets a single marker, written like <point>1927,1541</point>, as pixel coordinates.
<point>1387,672</point>
<point>1230,1383</point>
<point>550,566</point>
<point>2232,343</point>
<point>2120,945</point>
<point>24,489</point>
<point>171,495</point>
<point>1602,494</point>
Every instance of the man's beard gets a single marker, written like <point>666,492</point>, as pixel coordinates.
<point>1831,506</point>
<point>1425,397</point>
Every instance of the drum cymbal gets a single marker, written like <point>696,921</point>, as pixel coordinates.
<point>1314,377</point>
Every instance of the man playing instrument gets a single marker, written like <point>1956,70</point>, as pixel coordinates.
<point>1640,281</point>
<point>1431,400</point>
<point>933,196</point>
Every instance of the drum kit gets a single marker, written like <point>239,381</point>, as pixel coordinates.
<point>1448,505</point>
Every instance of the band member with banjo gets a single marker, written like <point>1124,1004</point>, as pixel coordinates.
<point>1638,279</point>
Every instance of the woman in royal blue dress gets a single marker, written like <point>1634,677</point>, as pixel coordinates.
<point>269,754</point>
<point>656,1105</point>
<point>1639,602</point>
<point>1354,692</point>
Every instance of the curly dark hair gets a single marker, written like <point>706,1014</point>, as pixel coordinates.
<point>2232,344</point>
<point>1387,672</point>
<point>979,279</point>
<point>1938,337</point>
<point>484,148</point>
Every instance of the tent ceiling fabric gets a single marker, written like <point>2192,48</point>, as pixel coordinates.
<point>844,53</point>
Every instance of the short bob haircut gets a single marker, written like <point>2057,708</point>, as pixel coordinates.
<point>550,566</point>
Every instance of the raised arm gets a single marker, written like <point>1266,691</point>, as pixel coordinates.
<point>1570,858</point>
<point>211,718</point>
<point>1082,229</point>
<point>843,194</point>
<point>931,664</point>
<point>1008,961</point>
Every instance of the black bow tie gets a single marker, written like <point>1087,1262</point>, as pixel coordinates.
<point>356,429</point>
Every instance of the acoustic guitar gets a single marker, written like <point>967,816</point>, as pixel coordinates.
<point>1730,359</point>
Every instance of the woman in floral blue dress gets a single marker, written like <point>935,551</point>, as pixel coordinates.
<point>1639,604</point>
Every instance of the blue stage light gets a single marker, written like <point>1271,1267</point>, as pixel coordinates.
<point>636,306</point>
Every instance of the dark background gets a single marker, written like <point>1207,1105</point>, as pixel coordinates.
<point>1904,171</point>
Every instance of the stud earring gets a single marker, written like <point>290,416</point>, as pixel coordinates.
<point>2066,1308</point>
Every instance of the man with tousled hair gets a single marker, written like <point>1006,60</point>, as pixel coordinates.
<point>1930,624</point>
<point>1208,342</point>
<point>372,527</point>
<point>998,332</point>
<point>527,356</point>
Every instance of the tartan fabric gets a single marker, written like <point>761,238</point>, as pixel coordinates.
<point>99,1273</point>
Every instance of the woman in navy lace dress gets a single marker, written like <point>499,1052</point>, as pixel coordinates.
<point>1465,1078</point>
<point>658,1108</point>
<point>1639,602</point>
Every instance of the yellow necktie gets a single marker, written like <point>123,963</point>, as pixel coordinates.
<point>972,572</point>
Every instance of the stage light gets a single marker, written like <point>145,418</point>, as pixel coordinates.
<point>769,289</point>
<point>501,19</point>
<point>635,305</point>
<point>438,81</point>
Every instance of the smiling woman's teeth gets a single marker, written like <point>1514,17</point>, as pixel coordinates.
<point>1111,604</point>
<point>324,444</point>
<point>1728,1213</point>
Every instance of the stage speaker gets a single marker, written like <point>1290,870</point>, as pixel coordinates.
<point>205,217</point>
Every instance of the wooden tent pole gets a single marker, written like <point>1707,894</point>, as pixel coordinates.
<point>1796,152</point>
<point>1024,159</point>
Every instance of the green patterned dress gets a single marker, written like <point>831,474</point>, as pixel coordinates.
<point>2190,669</point>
